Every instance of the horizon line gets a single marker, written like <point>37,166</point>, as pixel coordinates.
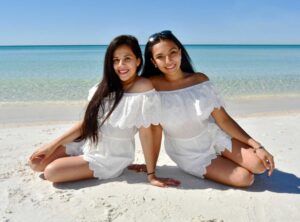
<point>186,44</point>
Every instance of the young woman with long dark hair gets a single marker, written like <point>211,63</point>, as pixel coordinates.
<point>102,144</point>
<point>200,136</point>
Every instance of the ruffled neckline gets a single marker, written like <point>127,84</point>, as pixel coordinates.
<point>138,93</point>
<point>185,88</point>
<point>135,110</point>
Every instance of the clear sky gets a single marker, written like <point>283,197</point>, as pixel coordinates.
<point>43,22</point>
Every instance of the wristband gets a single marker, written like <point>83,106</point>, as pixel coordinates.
<point>151,173</point>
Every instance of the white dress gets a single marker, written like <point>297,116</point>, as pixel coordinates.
<point>116,147</point>
<point>192,138</point>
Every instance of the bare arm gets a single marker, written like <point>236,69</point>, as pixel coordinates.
<point>151,155</point>
<point>146,138</point>
<point>70,135</point>
<point>232,128</point>
<point>67,137</point>
<point>157,136</point>
<point>235,131</point>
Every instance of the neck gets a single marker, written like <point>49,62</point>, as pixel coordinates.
<point>175,77</point>
<point>128,83</point>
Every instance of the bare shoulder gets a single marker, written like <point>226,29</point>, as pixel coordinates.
<point>157,81</point>
<point>155,78</point>
<point>200,77</point>
<point>141,85</point>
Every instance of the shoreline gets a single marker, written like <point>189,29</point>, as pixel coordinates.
<point>30,113</point>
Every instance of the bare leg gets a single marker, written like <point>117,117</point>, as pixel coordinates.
<point>225,171</point>
<point>38,166</point>
<point>68,169</point>
<point>244,156</point>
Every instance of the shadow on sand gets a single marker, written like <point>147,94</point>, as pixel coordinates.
<point>279,182</point>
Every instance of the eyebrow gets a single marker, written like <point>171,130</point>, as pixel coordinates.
<point>174,48</point>
<point>123,56</point>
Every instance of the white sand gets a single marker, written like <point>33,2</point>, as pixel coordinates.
<point>25,196</point>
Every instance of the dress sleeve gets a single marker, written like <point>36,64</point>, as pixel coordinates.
<point>137,109</point>
<point>208,99</point>
<point>215,96</point>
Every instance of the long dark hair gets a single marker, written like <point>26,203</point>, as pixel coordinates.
<point>109,88</point>
<point>149,68</point>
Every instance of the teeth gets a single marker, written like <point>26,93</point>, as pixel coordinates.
<point>123,71</point>
<point>171,67</point>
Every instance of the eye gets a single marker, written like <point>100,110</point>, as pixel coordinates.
<point>116,61</point>
<point>173,52</point>
<point>127,59</point>
<point>159,57</point>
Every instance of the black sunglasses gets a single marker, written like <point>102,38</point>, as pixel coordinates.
<point>155,36</point>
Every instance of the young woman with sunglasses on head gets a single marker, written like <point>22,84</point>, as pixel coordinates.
<point>200,136</point>
<point>119,106</point>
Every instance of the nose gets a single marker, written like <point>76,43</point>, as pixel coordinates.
<point>121,62</point>
<point>168,60</point>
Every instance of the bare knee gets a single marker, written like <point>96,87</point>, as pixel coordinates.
<point>51,172</point>
<point>257,167</point>
<point>242,178</point>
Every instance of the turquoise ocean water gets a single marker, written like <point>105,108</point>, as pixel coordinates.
<point>65,73</point>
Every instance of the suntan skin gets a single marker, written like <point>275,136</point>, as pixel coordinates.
<point>236,168</point>
<point>59,167</point>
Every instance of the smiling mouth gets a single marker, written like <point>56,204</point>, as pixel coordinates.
<point>123,72</point>
<point>171,67</point>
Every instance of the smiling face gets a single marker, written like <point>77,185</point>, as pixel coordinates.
<point>125,63</point>
<point>166,56</point>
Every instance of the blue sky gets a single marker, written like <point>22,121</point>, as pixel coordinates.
<point>43,22</point>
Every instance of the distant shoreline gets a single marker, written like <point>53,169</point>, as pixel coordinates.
<point>21,113</point>
<point>188,44</point>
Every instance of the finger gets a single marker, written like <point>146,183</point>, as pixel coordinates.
<point>272,166</point>
<point>172,182</point>
<point>131,167</point>
<point>43,157</point>
<point>158,184</point>
<point>137,167</point>
<point>36,155</point>
<point>268,166</point>
<point>33,155</point>
<point>43,161</point>
<point>266,163</point>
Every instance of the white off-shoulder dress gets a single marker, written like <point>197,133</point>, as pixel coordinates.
<point>192,138</point>
<point>116,147</point>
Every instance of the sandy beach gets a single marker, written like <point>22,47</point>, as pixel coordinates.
<point>25,196</point>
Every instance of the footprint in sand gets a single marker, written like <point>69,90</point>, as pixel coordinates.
<point>17,194</point>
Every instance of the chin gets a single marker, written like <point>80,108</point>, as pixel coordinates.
<point>123,78</point>
<point>171,72</point>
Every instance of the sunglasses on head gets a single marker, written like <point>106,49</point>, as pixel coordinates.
<point>155,36</point>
